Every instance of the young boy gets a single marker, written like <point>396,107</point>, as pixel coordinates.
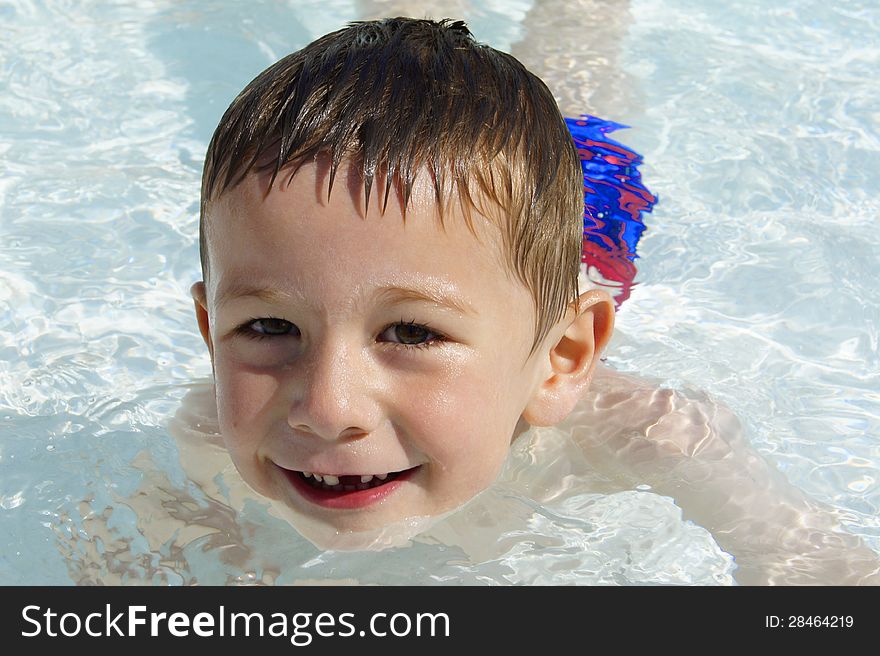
<point>391,234</point>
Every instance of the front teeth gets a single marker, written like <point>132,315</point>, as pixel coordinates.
<point>330,480</point>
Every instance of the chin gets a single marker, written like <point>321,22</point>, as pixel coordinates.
<point>329,537</point>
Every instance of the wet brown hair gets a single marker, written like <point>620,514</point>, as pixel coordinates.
<point>397,94</point>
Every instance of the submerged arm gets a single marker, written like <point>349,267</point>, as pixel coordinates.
<point>694,452</point>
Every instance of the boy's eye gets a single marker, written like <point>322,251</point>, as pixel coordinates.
<point>410,334</point>
<point>268,327</point>
<point>403,334</point>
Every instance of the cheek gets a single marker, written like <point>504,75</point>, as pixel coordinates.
<point>467,423</point>
<point>468,445</point>
<point>244,406</point>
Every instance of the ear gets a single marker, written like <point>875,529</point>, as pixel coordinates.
<point>200,298</point>
<point>572,359</point>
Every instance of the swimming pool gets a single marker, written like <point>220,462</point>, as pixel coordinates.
<point>758,129</point>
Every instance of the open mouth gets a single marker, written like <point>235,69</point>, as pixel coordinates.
<point>348,483</point>
<point>347,491</point>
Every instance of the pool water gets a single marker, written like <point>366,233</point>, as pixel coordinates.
<point>758,126</point>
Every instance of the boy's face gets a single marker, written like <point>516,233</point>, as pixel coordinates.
<point>348,346</point>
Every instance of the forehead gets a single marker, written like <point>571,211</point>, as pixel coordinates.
<point>296,228</point>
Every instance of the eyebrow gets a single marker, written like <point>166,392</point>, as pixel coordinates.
<point>238,290</point>
<point>392,294</point>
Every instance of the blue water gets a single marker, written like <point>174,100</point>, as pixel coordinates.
<point>758,126</point>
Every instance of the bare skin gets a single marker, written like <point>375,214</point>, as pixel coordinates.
<point>630,430</point>
<point>635,433</point>
<point>694,451</point>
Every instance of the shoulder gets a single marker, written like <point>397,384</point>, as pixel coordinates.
<point>638,418</point>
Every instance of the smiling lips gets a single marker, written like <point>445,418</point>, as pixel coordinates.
<point>347,491</point>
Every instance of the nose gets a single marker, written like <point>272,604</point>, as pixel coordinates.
<point>334,397</point>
